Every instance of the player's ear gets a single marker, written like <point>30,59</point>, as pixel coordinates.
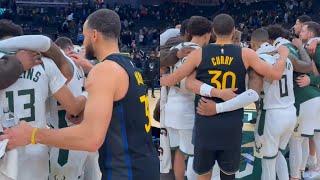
<point>95,35</point>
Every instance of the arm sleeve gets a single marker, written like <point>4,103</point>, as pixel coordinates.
<point>242,100</point>
<point>10,71</point>
<point>56,79</point>
<point>38,43</point>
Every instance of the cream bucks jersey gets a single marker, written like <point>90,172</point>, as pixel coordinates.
<point>27,99</point>
<point>66,164</point>
<point>180,104</point>
<point>277,93</point>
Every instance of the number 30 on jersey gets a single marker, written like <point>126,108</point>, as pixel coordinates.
<point>144,99</point>
<point>216,74</point>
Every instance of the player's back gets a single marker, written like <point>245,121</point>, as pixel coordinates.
<point>278,93</point>
<point>221,67</point>
<point>128,151</point>
<point>66,163</point>
<point>27,98</point>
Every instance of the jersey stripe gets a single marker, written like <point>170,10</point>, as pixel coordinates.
<point>108,163</point>
<point>125,141</point>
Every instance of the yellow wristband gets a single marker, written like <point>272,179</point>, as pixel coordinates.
<point>33,136</point>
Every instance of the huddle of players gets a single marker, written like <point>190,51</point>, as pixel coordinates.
<point>288,108</point>
<point>34,98</point>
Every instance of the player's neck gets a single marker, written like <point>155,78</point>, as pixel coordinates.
<point>198,40</point>
<point>105,49</point>
<point>224,40</point>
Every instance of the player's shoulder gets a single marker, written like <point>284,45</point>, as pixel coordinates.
<point>106,68</point>
<point>246,52</point>
<point>48,62</point>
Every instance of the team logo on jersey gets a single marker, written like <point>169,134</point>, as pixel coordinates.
<point>163,131</point>
<point>160,150</point>
<point>296,128</point>
<point>222,51</point>
<point>57,177</point>
<point>258,148</point>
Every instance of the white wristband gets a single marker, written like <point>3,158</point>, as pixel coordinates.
<point>205,90</point>
<point>85,94</point>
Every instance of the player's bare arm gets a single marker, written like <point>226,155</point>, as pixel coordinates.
<point>272,72</point>
<point>191,63</point>
<point>300,66</point>
<point>60,60</point>
<point>73,105</point>
<point>90,134</point>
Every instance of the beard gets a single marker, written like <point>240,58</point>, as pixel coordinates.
<point>90,52</point>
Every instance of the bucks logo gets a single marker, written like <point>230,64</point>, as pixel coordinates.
<point>160,150</point>
<point>296,128</point>
<point>58,177</point>
<point>164,131</point>
<point>258,147</point>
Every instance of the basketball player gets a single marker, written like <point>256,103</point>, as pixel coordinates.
<point>27,98</point>
<point>278,100</point>
<point>179,109</point>
<point>222,65</point>
<point>64,163</point>
<point>304,97</point>
<point>299,23</point>
<point>116,117</point>
<point>311,30</point>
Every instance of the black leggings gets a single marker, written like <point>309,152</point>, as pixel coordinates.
<point>150,84</point>
<point>223,176</point>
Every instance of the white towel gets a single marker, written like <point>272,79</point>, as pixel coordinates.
<point>8,162</point>
<point>165,151</point>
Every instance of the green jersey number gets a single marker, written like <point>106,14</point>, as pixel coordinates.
<point>30,105</point>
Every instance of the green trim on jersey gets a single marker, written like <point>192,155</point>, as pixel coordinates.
<point>305,93</point>
<point>42,65</point>
<point>272,157</point>
<point>315,80</point>
<point>306,135</point>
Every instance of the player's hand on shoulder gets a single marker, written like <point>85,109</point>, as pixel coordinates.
<point>206,107</point>
<point>28,59</point>
<point>297,42</point>
<point>283,51</point>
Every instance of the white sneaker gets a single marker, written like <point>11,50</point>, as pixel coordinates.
<point>312,174</point>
